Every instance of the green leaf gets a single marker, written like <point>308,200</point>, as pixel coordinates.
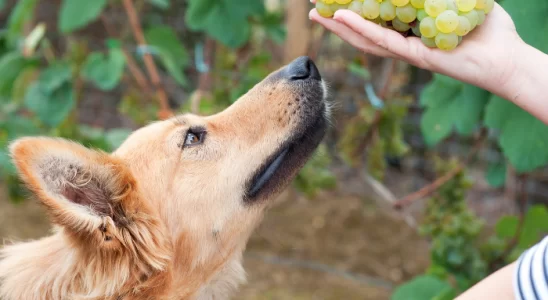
<point>507,226</point>
<point>22,12</point>
<point>76,14</point>
<point>523,138</point>
<point>359,71</point>
<point>225,20</point>
<point>423,287</point>
<point>11,65</point>
<point>170,49</point>
<point>496,174</point>
<point>530,21</point>
<point>2,4</point>
<point>22,83</point>
<point>52,109</point>
<point>54,76</point>
<point>162,4</point>
<point>450,104</point>
<point>115,137</point>
<point>105,72</point>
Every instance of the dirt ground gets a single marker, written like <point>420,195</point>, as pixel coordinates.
<point>334,246</point>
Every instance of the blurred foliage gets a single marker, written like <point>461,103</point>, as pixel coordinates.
<point>45,72</point>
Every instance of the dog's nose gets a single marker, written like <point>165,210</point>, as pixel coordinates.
<point>303,68</point>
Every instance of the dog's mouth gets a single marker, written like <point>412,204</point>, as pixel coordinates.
<point>283,164</point>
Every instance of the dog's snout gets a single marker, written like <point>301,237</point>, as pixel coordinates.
<point>303,68</point>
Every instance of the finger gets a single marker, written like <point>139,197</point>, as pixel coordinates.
<point>385,38</point>
<point>313,1</point>
<point>350,36</point>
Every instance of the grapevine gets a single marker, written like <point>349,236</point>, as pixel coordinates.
<point>441,24</point>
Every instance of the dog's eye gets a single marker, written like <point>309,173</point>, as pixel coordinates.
<point>193,138</point>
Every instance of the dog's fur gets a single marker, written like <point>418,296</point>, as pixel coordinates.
<point>158,219</point>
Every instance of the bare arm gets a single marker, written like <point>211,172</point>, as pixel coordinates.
<point>492,57</point>
<point>497,286</point>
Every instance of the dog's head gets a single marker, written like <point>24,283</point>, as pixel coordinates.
<point>185,193</point>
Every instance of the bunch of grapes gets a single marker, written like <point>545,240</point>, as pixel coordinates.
<point>439,23</point>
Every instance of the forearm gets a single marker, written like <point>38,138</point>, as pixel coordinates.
<point>498,286</point>
<point>528,87</point>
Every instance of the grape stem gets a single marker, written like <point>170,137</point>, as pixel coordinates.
<point>440,181</point>
<point>165,111</point>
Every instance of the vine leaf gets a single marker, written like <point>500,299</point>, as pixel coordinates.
<point>523,138</point>
<point>424,287</point>
<point>225,20</point>
<point>170,50</point>
<point>496,174</point>
<point>52,109</point>
<point>450,104</point>
<point>76,14</point>
<point>105,72</point>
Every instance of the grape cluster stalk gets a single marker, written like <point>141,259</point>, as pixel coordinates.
<point>440,24</point>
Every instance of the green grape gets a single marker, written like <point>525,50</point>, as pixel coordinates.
<point>343,1</point>
<point>428,27</point>
<point>480,4</point>
<point>447,21</point>
<point>356,6</point>
<point>371,9</point>
<point>328,1</point>
<point>481,16</point>
<point>464,27</point>
<point>406,13</point>
<point>466,5</point>
<point>417,3</point>
<point>387,11</point>
<point>416,30</point>
<point>324,10</point>
<point>400,25</point>
<point>451,5</point>
<point>337,6</point>
<point>400,2</point>
<point>421,14</point>
<point>473,17</point>
<point>435,7</point>
<point>489,5</point>
<point>446,41</point>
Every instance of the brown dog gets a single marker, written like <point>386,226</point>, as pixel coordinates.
<point>169,213</point>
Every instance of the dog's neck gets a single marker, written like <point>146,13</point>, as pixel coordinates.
<point>50,268</point>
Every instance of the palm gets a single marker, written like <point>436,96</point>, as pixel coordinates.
<point>479,51</point>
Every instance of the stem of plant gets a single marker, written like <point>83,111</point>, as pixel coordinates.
<point>165,111</point>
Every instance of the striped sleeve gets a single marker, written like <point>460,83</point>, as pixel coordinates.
<point>531,275</point>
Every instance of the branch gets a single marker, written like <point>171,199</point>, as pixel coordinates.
<point>165,111</point>
<point>436,184</point>
<point>133,67</point>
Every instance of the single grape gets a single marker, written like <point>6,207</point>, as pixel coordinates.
<point>416,30</point>
<point>400,25</point>
<point>371,9</point>
<point>447,41</point>
<point>435,7</point>
<point>406,13</point>
<point>343,1</point>
<point>428,27</point>
<point>481,16</point>
<point>466,5</point>
<point>387,11</point>
<point>324,10</point>
<point>464,26</point>
<point>356,6</point>
<point>417,3</point>
<point>489,5</point>
<point>428,42</point>
<point>328,1</point>
<point>473,17</point>
<point>452,5</point>
<point>337,6</point>
<point>480,4</point>
<point>447,21</point>
<point>421,14</point>
<point>400,2</point>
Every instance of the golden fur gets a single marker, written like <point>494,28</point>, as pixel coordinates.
<point>156,219</point>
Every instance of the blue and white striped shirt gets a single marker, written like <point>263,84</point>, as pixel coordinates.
<point>531,275</point>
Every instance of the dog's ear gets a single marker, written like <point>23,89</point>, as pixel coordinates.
<point>82,189</point>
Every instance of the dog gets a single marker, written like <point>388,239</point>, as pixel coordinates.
<point>167,215</point>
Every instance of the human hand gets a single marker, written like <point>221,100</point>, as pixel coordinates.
<point>486,57</point>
